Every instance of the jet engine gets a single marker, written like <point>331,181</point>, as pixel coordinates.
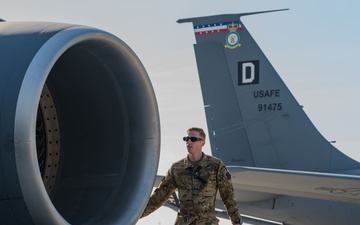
<point>79,127</point>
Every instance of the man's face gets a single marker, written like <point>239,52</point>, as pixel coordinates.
<point>194,147</point>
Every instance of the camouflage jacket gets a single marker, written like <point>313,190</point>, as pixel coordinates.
<point>197,189</point>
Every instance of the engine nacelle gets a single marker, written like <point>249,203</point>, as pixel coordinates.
<point>79,127</point>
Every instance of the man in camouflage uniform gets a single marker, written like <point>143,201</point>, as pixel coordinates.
<point>197,177</point>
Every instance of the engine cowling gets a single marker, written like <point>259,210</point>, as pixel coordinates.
<point>79,127</point>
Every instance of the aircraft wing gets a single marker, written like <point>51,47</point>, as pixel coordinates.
<point>338,187</point>
<point>268,183</point>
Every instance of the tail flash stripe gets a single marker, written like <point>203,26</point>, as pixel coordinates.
<point>214,28</point>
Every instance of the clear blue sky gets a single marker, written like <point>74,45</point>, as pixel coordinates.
<point>315,47</point>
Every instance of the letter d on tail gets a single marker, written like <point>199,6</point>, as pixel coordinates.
<point>248,72</point>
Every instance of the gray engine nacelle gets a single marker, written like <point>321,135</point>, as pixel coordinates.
<point>79,127</point>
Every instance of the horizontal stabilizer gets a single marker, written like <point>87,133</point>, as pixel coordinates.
<point>337,187</point>
<point>201,19</point>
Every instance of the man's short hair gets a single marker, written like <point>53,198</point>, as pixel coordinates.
<point>201,131</point>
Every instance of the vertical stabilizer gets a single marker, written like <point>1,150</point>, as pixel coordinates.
<point>253,118</point>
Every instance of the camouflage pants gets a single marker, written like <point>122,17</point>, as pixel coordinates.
<point>196,223</point>
<point>204,223</point>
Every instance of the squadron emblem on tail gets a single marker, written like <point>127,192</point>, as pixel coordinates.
<point>233,38</point>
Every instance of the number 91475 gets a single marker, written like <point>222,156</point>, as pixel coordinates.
<point>270,107</point>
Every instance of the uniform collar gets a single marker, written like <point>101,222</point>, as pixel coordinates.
<point>203,162</point>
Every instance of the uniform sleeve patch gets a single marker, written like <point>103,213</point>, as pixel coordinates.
<point>228,175</point>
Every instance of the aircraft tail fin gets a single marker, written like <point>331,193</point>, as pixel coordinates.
<point>253,119</point>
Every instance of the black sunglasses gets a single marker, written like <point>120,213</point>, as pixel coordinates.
<point>192,139</point>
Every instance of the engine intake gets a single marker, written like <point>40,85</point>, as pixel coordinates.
<point>79,127</point>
